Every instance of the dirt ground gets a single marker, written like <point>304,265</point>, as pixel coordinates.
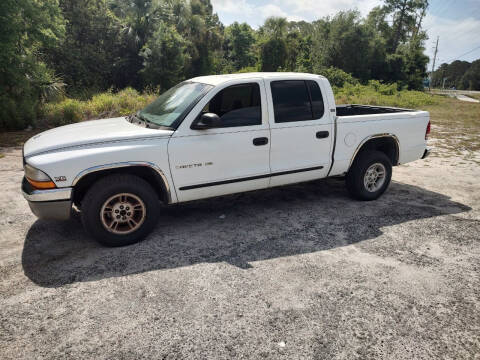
<point>296,272</point>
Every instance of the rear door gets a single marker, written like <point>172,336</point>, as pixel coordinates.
<point>231,158</point>
<point>301,131</point>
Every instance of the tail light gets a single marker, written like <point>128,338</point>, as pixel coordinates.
<point>428,131</point>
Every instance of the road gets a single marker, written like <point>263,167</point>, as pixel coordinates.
<point>295,272</point>
<point>466,98</point>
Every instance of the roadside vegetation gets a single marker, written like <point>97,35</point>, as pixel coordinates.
<point>376,93</point>
<point>455,127</point>
<point>104,105</point>
<point>53,49</point>
<point>128,101</point>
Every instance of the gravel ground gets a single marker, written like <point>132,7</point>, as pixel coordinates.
<point>296,272</point>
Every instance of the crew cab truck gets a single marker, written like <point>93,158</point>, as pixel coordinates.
<point>211,136</point>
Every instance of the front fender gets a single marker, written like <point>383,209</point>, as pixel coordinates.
<point>66,167</point>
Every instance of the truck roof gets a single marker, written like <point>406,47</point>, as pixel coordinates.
<point>219,79</point>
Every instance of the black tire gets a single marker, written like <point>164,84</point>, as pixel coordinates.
<point>109,187</point>
<point>355,176</point>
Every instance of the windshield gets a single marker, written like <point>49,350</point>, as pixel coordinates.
<point>173,105</point>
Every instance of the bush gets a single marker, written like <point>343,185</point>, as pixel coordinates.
<point>102,105</point>
<point>17,113</point>
<point>376,93</point>
<point>337,77</point>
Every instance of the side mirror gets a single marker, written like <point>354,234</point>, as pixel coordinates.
<point>207,121</point>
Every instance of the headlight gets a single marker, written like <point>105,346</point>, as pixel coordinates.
<point>37,178</point>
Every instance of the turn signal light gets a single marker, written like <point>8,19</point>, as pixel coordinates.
<point>37,178</point>
<point>41,184</point>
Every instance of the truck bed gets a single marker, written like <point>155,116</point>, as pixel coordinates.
<point>355,109</point>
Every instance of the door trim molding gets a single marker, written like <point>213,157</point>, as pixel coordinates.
<point>256,177</point>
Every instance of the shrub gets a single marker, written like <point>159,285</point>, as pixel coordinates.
<point>376,93</point>
<point>104,105</point>
<point>337,77</point>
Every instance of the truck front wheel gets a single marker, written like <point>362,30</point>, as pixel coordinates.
<point>120,210</point>
<point>369,175</point>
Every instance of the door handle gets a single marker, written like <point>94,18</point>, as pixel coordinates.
<point>322,134</point>
<point>260,141</point>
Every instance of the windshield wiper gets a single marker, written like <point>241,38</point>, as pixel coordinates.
<point>147,123</point>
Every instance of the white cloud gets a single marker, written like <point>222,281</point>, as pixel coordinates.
<point>315,9</point>
<point>255,13</point>
<point>456,38</point>
<point>273,10</point>
<point>233,6</point>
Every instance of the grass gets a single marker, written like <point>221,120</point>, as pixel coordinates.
<point>456,126</point>
<point>104,105</point>
<point>376,93</point>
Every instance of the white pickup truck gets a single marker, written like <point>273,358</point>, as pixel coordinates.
<point>211,136</point>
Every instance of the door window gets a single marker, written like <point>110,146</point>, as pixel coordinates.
<point>296,100</point>
<point>237,105</point>
<point>317,99</point>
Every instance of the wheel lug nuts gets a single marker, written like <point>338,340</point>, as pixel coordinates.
<point>123,217</point>
<point>118,216</point>
<point>127,208</point>
<point>121,207</point>
<point>128,214</point>
<point>116,211</point>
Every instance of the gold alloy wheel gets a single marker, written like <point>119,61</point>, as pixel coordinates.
<point>123,213</point>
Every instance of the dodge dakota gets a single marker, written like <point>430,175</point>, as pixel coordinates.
<point>211,136</point>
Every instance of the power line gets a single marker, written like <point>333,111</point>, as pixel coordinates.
<point>468,52</point>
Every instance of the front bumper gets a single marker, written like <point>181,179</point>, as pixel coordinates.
<point>426,152</point>
<point>48,204</point>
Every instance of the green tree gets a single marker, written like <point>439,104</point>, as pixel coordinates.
<point>405,13</point>
<point>136,20</point>
<point>471,79</point>
<point>415,65</point>
<point>26,28</point>
<point>342,42</point>
<point>87,58</point>
<point>273,46</point>
<point>204,31</point>
<point>165,57</point>
<point>238,47</point>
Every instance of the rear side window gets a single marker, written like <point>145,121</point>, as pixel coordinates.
<point>296,100</point>
<point>237,105</point>
<point>317,99</point>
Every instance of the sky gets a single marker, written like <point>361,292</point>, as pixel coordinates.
<point>456,22</point>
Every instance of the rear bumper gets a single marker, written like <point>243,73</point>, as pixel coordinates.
<point>48,204</point>
<point>426,152</point>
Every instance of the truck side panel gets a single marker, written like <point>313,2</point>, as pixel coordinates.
<point>352,131</point>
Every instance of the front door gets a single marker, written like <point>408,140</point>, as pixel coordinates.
<point>301,131</point>
<point>231,158</point>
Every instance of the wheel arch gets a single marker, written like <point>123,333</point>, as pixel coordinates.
<point>386,143</point>
<point>145,170</point>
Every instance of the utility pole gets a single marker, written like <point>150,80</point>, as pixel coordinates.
<point>433,65</point>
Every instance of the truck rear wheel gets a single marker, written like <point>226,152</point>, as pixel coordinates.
<point>369,175</point>
<point>120,210</point>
